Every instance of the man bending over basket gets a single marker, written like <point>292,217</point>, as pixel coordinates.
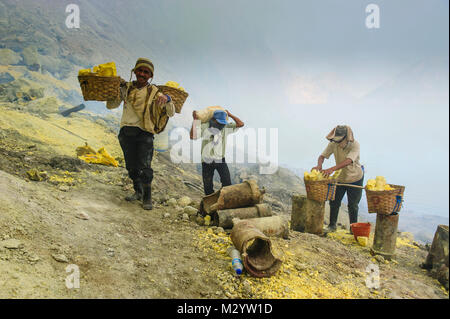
<point>145,113</point>
<point>346,154</point>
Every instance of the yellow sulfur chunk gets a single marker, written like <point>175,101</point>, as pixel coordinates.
<point>207,220</point>
<point>105,69</point>
<point>107,159</point>
<point>174,85</point>
<point>378,184</point>
<point>337,173</point>
<point>87,154</point>
<point>83,150</point>
<point>315,175</point>
<point>306,176</point>
<point>362,240</point>
<point>381,179</point>
<point>84,72</point>
<point>371,182</point>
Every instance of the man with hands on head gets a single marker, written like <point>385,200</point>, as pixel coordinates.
<point>214,138</point>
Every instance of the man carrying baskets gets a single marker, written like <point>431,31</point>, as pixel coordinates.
<point>346,154</point>
<point>145,113</point>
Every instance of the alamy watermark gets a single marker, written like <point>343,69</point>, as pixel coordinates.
<point>248,145</point>
<point>73,19</point>
<point>73,279</point>
<point>373,17</point>
<point>373,276</point>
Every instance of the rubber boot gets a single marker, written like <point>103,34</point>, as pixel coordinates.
<point>334,211</point>
<point>137,192</point>
<point>147,197</point>
<point>353,216</point>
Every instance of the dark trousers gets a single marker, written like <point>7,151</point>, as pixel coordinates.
<point>137,147</point>
<point>208,175</point>
<point>353,196</point>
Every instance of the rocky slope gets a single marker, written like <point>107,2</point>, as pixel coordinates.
<point>76,215</point>
<point>57,210</point>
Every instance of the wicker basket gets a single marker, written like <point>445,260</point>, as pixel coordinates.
<point>99,88</point>
<point>320,191</point>
<point>178,96</point>
<point>385,202</point>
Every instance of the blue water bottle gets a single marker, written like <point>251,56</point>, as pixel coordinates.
<point>236,261</point>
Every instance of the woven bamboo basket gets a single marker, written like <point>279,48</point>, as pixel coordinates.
<point>178,96</point>
<point>320,191</point>
<point>99,88</point>
<point>385,202</point>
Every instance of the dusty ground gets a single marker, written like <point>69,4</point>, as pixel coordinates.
<point>123,251</point>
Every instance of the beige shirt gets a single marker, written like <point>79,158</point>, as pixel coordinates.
<point>214,146</point>
<point>134,107</point>
<point>351,173</point>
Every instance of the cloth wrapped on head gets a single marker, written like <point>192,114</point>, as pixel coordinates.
<point>341,134</point>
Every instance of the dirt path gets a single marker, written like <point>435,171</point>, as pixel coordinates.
<point>123,251</point>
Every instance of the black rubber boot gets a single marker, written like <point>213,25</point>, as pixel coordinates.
<point>137,192</point>
<point>334,211</point>
<point>147,197</point>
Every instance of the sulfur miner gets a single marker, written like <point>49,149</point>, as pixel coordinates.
<point>346,154</point>
<point>214,135</point>
<point>145,113</point>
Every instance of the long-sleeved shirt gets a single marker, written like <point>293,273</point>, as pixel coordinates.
<point>214,141</point>
<point>134,107</point>
<point>352,172</point>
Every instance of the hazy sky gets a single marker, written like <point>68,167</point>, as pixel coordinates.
<point>306,66</point>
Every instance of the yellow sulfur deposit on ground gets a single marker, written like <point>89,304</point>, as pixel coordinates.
<point>84,150</point>
<point>55,179</point>
<point>174,85</point>
<point>346,238</point>
<point>401,241</point>
<point>89,155</point>
<point>288,283</point>
<point>315,175</point>
<point>378,184</point>
<point>105,69</point>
